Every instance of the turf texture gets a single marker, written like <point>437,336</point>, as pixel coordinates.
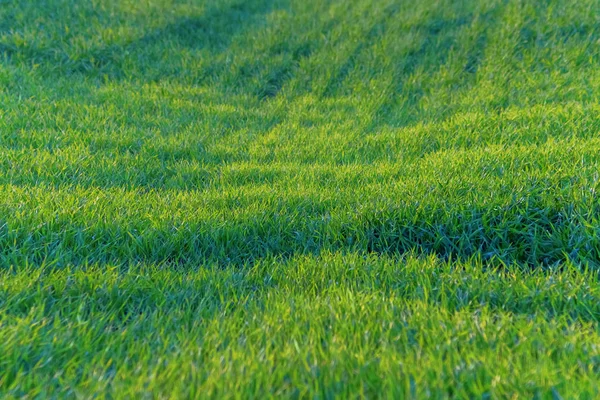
<point>299,199</point>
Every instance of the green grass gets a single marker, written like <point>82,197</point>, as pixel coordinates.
<point>307,199</point>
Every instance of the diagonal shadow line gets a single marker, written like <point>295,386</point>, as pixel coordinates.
<point>214,30</point>
<point>285,71</point>
<point>438,43</point>
<point>280,73</point>
<point>376,31</point>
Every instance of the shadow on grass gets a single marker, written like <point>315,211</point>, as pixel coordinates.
<point>527,232</point>
<point>132,294</point>
<point>214,30</point>
<point>378,29</point>
<point>439,40</point>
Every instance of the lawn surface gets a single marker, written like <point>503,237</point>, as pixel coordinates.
<point>299,198</point>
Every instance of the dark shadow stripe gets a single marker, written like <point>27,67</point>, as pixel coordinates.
<point>378,29</point>
<point>528,232</point>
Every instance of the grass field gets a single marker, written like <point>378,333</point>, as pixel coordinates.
<point>300,199</point>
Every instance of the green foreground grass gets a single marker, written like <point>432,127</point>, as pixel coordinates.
<point>333,325</point>
<point>317,198</point>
